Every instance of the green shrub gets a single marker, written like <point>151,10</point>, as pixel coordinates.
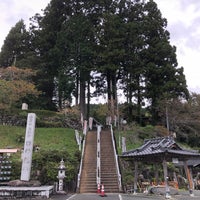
<point>47,163</point>
<point>16,166</point>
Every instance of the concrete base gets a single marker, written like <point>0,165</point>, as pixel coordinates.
<point>61,192</point>
<point>23,192</point>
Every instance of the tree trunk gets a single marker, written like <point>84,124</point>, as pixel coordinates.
<point>82,100</point>
<point>88,99</point>
<point>112,93</point>
<point>77,89</point>
<point>139,119</point>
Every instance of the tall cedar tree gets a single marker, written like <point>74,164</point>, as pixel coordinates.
<point>111,51</point>
<point>15,47</point>
<point>45,30</point>
<point>75,44</point>
<point>163,78</point>
<point>133,66</point>
<point>65,50</point>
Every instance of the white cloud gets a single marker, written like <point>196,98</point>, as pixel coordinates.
<point>183,18</point>
<point>11,11</point>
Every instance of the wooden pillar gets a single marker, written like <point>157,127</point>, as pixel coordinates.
<point>189,177</point>
<point>135,177</point>
<point>176,180</point>
<point>156,175</point>
<point>167,190</point>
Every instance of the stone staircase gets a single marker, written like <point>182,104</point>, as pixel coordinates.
<point>88,177</point>
<point>108,168</point>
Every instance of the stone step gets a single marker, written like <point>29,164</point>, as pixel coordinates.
<point>108,169</point>
<point>88,178</point>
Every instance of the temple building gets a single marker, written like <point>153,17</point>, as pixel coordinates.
<point>163,150</point>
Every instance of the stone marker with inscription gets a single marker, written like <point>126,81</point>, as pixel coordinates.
<point>28,147</point>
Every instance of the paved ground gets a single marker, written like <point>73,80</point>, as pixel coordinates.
<point>183,195</point>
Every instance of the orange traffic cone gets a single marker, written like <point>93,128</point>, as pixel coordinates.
<point>102,191</point>
<point>98,188</point>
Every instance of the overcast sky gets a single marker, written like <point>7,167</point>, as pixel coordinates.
<point>183,18</point>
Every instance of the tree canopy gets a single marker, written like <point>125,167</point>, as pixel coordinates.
<point>105,45</point>
<point>16,87</point>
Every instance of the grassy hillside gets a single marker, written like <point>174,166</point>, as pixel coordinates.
<point>135,135</point>
<point>54,143</point>
<point>45,138</point>
<point>63,139</point>
<point>57,143</point>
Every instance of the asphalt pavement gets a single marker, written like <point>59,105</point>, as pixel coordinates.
<point>183,195</point>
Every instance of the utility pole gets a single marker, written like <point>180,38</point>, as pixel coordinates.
<point>167,119</point>
<point>15,59</point>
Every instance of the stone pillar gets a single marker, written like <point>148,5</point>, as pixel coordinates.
<point>85,127</point>
<point>28,147</point>
<point>167,193</point>
<point>189,177</point>
<point>135,177</point>
<point>90,123</point>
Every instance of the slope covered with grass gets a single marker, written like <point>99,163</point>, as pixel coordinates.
<point>45,138</point>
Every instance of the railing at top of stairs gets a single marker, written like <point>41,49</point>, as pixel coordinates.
<point>116,159</point>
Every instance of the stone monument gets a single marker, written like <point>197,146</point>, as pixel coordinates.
<point>28,147</point>
<point>26,188</point>
<point>24,106</point>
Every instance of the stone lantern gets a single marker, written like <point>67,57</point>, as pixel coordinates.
<point>61,175</point>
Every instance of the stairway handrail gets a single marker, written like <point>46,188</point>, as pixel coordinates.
<point>81,164</point>
<point>98,171</point>
<point>116,159</point>
<point>98,123</point>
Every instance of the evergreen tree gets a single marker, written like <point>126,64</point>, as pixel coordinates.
<point>75,44</point>
<point>133,65</point>
<point>108,45</point>
<point>110,52</point>
<point>15,47</point>
<point>44,36</point>
<point>162,75</point>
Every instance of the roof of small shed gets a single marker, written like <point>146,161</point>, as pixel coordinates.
<point>157,149</point>
<point>190,162</point>
<point>8,150</point>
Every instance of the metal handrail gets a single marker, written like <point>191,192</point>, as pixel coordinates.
<point>98,171</point>
<point>81,164</point>
<point>116,159</point>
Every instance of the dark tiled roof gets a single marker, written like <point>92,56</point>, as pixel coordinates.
<point>159,147</point>
<point>193,163</point>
